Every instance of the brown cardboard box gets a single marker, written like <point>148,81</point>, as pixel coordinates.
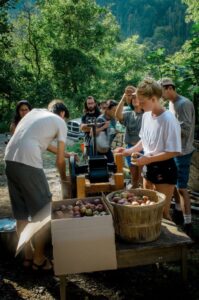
<point>84,244</point>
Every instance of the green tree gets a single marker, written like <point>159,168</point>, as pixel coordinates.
<point>143,17</point>
<point>7,82</point>
<point>124,65</point>
<point>192,10</point>
<point>61,43</point>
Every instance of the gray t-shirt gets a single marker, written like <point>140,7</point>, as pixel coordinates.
<point>33,135</point>
<point>184,111</point>
<point>132,121</point>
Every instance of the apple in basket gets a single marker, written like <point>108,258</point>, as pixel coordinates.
<point>128,198</point>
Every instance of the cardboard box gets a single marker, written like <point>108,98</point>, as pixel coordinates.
<point>80,245</point>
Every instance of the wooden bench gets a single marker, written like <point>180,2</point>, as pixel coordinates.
<point>172,245</point>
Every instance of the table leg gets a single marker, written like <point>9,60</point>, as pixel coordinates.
<point>62,287</point>
<point>184,264</point>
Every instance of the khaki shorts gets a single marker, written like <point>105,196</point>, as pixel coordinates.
<point>28,188</point>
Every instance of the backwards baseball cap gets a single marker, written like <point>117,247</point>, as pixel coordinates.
<point>166,82</point>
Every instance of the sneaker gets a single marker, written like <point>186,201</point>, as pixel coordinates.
<point>177,217</point>
<point>188,229</point>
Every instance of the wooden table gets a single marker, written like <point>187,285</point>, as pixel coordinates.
<point>172,245</point>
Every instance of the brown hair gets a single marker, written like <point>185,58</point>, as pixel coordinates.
<point>56,106</point>
<point>111,103</point>
<point>17,116</point>
<point>149,87</point>
<point>130,87</point>
<point>86,106</point>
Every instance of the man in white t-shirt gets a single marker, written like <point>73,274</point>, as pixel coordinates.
<point>28,187</point>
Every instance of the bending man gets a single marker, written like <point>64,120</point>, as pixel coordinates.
<point>28,187</point>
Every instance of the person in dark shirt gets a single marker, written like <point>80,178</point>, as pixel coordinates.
<point>91,112</point>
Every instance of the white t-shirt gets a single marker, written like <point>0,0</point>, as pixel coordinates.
<point>33,135</point>
<point>160,134</point>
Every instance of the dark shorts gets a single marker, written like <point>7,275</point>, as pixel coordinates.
<point>183,166</point>
<point>28,189</point>
<point>161,172</point>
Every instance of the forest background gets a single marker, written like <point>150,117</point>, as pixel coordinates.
<point>70,49</point>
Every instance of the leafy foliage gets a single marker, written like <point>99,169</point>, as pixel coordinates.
<point>193,10</point>
<point>160,23</point>
<point>72,49</point>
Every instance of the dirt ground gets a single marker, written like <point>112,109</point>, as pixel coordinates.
<point>154,281</point>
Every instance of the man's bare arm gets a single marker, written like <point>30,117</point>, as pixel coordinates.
<point>60,160</point>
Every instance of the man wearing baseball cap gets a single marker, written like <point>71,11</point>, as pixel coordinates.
<point>184,111</point>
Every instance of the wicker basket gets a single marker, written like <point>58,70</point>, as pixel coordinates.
<point>138,224</point>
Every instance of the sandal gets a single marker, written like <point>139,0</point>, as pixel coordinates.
<point>42,267</point>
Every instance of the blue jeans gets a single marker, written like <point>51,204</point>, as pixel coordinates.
<point>183,167</point>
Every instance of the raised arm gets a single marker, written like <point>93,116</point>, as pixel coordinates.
<point>119,110</point>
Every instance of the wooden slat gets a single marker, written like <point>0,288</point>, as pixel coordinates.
<point>119,162</point>
<point>143,257</point>
<point>119,181</point>
<point>81,184</point>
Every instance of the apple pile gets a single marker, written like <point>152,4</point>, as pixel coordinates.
<point>81,208</point>
<point>129,198</point>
